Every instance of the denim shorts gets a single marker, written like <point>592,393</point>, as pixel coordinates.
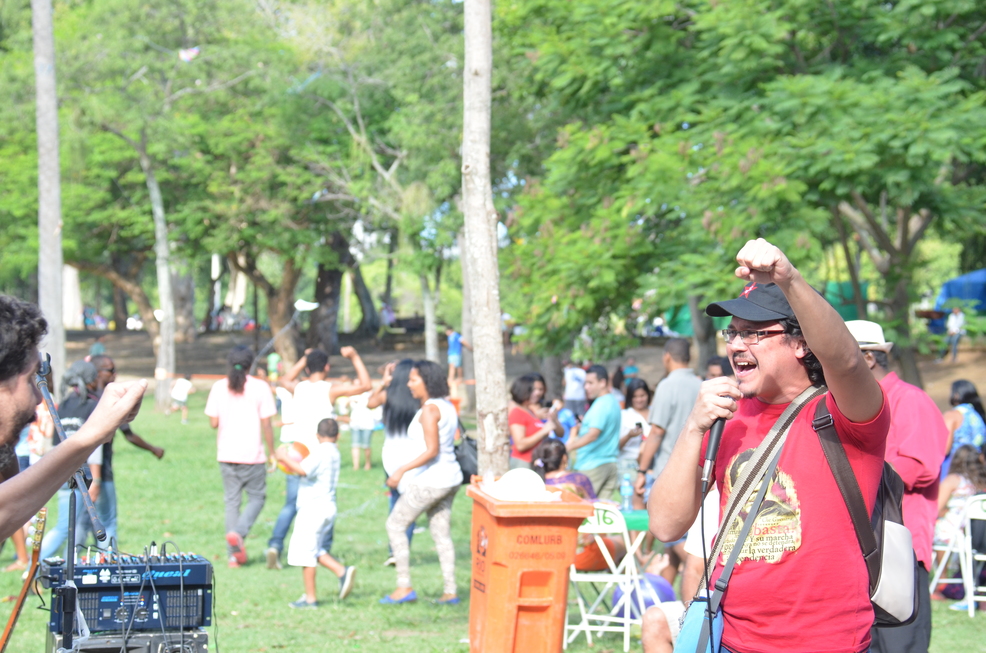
<point>361,438</point>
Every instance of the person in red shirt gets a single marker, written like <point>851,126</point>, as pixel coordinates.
<point>916,448</point>
<point>528,421</point>
<point>800,583</point>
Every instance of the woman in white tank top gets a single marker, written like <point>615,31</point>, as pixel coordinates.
<point>428,482</point>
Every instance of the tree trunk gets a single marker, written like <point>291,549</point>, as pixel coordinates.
<point>72,307</point>
<point>369,324</point>
<point>120,312</point>
<point>128,281</point>
<point>184,289</point>
<point>857,288</point>
<point>49,186</point>
<point>323,331</point>
<point>280,300</point>
<point>481,241</point>
<point>280,309</point>
<point>468,367</point>
<point>705,335</point>
<point>212,294</point>
<point>431,328</point>
<point>554,376</point>
<point>347,303</point>
<point>898,309</point>
<point>391,255</point>
<point>165,366</point>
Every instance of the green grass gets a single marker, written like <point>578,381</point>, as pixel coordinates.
<point>179,498</point>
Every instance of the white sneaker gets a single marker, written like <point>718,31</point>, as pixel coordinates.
<point>390,562</point>
<point>346,582</point>
<point>273,558</point>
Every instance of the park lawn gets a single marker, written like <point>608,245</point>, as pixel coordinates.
<point>179,499</point>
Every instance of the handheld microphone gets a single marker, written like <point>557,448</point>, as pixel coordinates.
<point>711,449</point>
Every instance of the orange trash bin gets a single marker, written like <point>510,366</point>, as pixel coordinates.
<point>521,555</point>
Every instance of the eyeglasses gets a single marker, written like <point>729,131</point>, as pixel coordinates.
<point>748,336</point>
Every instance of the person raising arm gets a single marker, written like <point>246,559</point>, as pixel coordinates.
<point>773,374</point>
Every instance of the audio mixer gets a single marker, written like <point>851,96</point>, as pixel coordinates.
<point>125,593</point>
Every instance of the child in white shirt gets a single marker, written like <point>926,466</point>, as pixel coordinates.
<point>316,503</point>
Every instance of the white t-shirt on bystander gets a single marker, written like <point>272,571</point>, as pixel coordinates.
<point>311,406</point>
<point>318,486</point>
<point>574,384</point>
<point>180,390</point>
<point>629,419</point>
<point>238,437</point>
<point>361,416</point>
<point>443,470</point>
<point>287,413</point>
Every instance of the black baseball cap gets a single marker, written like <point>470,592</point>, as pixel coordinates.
<point>757,303</point>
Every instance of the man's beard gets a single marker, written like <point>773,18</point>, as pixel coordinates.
<point>21,420</point>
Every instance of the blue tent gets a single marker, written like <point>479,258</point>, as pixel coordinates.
<point>971,286</point>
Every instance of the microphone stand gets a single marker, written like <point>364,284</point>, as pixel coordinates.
<point>78,484</point>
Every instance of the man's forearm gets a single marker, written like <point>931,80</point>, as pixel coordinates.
<point>849,379</point>
<point>914,473</point>
<point>138,441</point>
<point>362,375</point>
<point>26,493</point>
<point>295,370</point>
<point>676,496</point>
<point>580,442</point>
<point>835,348</point>
<point>268,432</point>
<point>647,452</point>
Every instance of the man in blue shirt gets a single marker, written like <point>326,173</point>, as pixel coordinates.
<point>598,441</point>
<point>455,345</point>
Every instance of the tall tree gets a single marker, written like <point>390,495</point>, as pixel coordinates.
<point>49,184</point>
<point>130,82</point>
<point>717,122</point>
<point>481,240</point>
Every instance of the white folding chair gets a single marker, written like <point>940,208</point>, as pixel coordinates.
<point>975,510</point>
<point>956,547</point>
<point>594,614</point>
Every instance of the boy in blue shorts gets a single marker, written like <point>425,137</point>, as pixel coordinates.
<point>455,345</point>
<point>316,503</point>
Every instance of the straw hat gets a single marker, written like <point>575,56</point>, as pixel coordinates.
<point>869,335</point>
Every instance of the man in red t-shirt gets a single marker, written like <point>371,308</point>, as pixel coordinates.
<point>800,583</point>
<point>916,447</point>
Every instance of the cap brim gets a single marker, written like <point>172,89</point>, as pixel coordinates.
<point>744,309</point>
<point>877,346</point>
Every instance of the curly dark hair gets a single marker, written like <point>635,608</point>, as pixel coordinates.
<point>792,329</point>
<point>434,377</point>
<point>968,461</point>
<point>21,329</point>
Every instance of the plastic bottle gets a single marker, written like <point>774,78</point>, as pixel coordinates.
<point>626,494</point>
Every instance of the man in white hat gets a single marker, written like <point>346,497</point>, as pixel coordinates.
<point>915,447</point>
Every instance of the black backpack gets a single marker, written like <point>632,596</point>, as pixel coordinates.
<point>883,539</point>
